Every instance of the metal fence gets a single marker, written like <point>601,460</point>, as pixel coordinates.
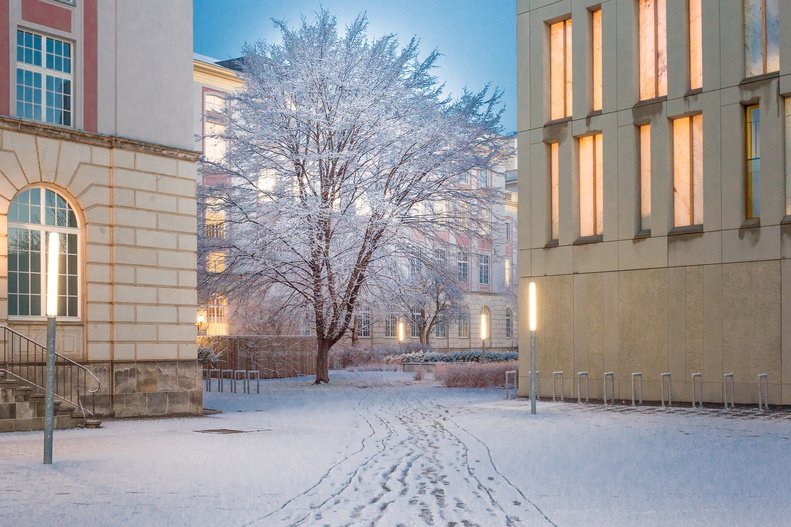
<point>272,356</point>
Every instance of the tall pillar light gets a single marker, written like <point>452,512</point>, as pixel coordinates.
<point>533,324</point>
<point>53,253</point>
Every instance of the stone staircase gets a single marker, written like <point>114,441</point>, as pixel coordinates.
<point>22,409</point>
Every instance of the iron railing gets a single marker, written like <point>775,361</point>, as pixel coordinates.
<point>26,360</point>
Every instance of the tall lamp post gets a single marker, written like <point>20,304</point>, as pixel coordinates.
<point>484,334</point>
<point>533,323</point>
<point>53,252</point>
<point>401,332</point>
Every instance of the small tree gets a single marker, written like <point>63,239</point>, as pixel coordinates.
<point>340,149</point>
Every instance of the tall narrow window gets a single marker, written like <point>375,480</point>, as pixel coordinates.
<point>554,216</point>
<point>441,330</point>
<point>653,49</point>
<point>788,153</point>
<point>215,262</point>
<point>215,217</point>
<point>32,215</point>
<point>591,185</point>
<point>417,316</point>
<point>463,266</point>
<point>217,315</point>
<point>483,269</point>
<point>761,37</point>
<point>752,121</point>
<point>645,178</point>
<point>560,69</point>
<point>391,325</point>
<point>483,178</point>
<point>695,45</point>
<point>43,78</point>
<point>463,323</point>
<point>508,231</point>
<point>509,323</point>
<point>363,322</point>
<point>596,59</point>
<point>688,171</point>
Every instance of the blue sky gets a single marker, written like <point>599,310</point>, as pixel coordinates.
<point>477,38</point>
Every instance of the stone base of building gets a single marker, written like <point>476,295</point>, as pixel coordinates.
<point>147,389</point>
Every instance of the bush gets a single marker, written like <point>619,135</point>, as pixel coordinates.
<point>489,375</point>
<point>421,356</point>
<point>343,356</point>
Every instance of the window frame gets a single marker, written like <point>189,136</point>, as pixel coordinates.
<point>693,198</point>
<point>560,61</point>
<point>657,50</point>
<point>44,230</point>
<point>484,277</point>
<point>596,173</point>
<point>764,48</point>
<point>752,195</point>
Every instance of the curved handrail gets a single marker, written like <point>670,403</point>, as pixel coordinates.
<point>22,353</point>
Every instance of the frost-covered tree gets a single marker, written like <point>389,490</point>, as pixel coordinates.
<point>342,149</point>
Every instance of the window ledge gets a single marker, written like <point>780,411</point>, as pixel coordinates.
<point>692,93</point>
<point>786,220</point>
<point>594,113</point>
<point>554,122</point>
<point>642,234</point>
<point>760,78</point>
<point>552,243</point>
<point>649,102</point>
<point>584,240</point>
<point>686,229</point>
<point>750,223</point>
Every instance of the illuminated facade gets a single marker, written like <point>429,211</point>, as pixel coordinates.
<point>658,224</point>
<point>97,146</point>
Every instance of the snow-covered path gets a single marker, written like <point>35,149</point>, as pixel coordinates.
<point>379,449</point>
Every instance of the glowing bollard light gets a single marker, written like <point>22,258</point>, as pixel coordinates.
<point>532,314</point>
<point>401,332</point>
<point>53,253</point>
<point>484,334</point>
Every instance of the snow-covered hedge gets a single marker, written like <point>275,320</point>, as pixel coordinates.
<point>422,356</point>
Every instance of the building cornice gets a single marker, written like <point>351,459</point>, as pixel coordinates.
<point>215,72</point>
<point>89,138</point>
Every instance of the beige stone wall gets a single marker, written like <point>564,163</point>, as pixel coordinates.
<point>136,209</point>
<point>709,301</point>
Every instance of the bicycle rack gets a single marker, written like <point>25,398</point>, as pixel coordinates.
<point>763,391</point>
<point>727,379</point>
<point>250,375</point>
<point>611,376</point>
<point>665,376</point>
<point>697,386</point>
<point>637,375</point>
<point>580,375</point>
<point>555,375</point>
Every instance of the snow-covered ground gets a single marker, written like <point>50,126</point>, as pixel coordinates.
<point>381,449</point>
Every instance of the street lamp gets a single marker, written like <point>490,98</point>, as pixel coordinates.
<point>484,334</point>
<point>53,253</point>
<point>533,324</point>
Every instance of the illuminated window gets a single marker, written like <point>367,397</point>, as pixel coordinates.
<point>483,269</point>
<point>596,59</point>
<point>463,323</point>
<point>217,315</point>
<point>507,272</point>
<point>788,154</point>
<point>695,45</point>
<point>560,69</point>
<point>391,326</point>
<point>417,317</point>
<point>645,177</point>
<point>32,215</point>
<point>215,147</point>
<point>265,184</point>
<point>363,322</point>
<point>463,266</point>
<point>215,262</point>
<point>554,216</point>
<point>752,121</point>
<point>591,185</point>
<point>688,171</point>
<point>509,323</point>
<point>214,217</point>
<point>213,103</point>
<point>653,49</point>
<point>761,37</point>
<point>44,78</point>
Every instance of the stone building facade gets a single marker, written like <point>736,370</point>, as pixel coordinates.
<point>97,144</point>
<point>654,144</point>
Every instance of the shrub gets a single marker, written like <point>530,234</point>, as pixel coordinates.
<point>489,375</point>
<point>456,356</point>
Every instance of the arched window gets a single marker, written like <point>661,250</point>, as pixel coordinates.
<point>33,214</point>
<point>509,323</point>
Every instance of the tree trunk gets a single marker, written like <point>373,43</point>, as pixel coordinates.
<point>322,361</point>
